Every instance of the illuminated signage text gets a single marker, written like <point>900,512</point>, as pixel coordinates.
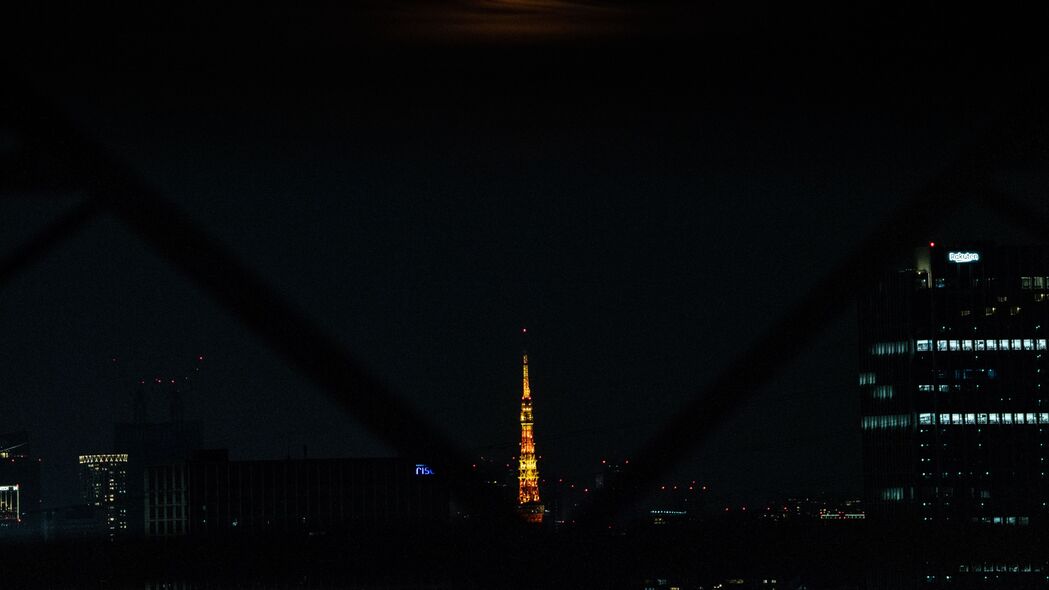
<point>963,256</point>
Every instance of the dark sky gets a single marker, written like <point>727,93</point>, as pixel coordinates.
<point>643,186</point>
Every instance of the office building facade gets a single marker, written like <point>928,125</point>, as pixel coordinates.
<point>20,497</point>
<point>953,367</point>
<point>211,495</point>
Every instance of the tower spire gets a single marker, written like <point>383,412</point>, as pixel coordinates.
<point>527,470</point>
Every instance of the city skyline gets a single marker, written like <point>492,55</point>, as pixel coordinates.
<point>249,249</point>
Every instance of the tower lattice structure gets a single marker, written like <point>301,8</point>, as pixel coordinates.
<point>528,471</point>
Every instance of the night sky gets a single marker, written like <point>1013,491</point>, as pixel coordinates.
<point>643,188</point>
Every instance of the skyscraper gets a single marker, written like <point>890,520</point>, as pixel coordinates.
<point>103,481</point>
<point>528,471</point>
<point>147,442</point>
<point>953,367</point>
<point>20,496</point>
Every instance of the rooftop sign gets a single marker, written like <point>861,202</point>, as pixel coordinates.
<point>961,257</point>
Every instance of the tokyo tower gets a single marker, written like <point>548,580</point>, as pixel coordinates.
<point>527,472</point>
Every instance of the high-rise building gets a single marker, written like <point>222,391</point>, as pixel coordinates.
<point>210,495</point>
<point>147,442</point>
<point>528,501</point>
<point>103,480</point>
<point>20,497</point>
<point>953,379</point>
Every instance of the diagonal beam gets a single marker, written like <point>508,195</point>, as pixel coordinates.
<point>47,239</point>
<point>302,343</point>
<point>891,241</point>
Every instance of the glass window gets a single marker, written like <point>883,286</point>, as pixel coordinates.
<point>944,387</point>
<point>1037,282</point>
<point>1003,344</point>
<point>1007,418</point>
<point>1025,282</point>
<point>926,387</point>
<point>981,418</point>
<point>956,418</point>
<point>967,344</point>
<point>992,418</point>
<point>925,419</point>
<point>1032,418</point>
<point>1018,418</point>
<point>923,345</point>
<point>992,345</point>
<point>979,345</point>
<point>1028,344</point>
<point>954,345</point>
<point>970,418</point>
<point>1043,418</point>
<point>1039,344</point>
<point>945,418</point>
<point>1017,345</point>
<point>941,345</point>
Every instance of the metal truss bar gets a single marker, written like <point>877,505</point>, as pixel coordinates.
<point>299,341</point>
<point>892,240</point>
<point>47,239</point>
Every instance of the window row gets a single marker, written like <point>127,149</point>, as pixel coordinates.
<point>979,345</point>
<point>1034,282</point>
<point>992,418</point>
<point>1006,520</point>
<point>884,348</point>
<point>892,421</point>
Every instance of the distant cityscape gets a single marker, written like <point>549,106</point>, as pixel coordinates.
<point>955,426</point>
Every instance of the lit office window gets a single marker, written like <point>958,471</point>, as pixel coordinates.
<point>954,345</point>
<point>867,378</point>
<point>967,345</point>
<point>1018,418</point>
<point>1032,418</point>
<point>923,345</point>
<point>1039,344</point>
<point>882,392</point>
<point>1043,418</point>
<point>895,494</point>
<point>992,345</point>
<point>1003,344</point>
<point>956,418</point>
<point>970,418</point>
<point>925,419</point>
<point>925,387</point>
<point>981,418</point>
<point>1028,344</point>
<point>1025,282</point>
<point>1038,283</point>
<point>941,345</point>
<point>980,345</point>
<point>992,418</point>
<point>945,418</point>
<point>1017,344</point>
<point>945,388</point>
<point>1007,418</point>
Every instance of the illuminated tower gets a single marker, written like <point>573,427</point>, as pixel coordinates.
<point>527,471</point>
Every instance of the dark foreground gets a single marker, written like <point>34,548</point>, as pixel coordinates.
<point>735,555</point>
